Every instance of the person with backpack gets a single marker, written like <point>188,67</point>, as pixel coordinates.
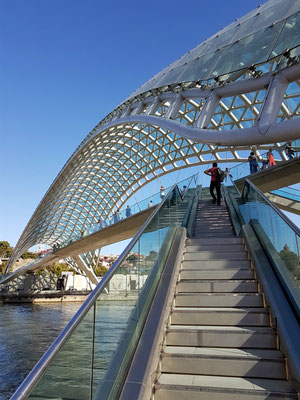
<point>217,176</point>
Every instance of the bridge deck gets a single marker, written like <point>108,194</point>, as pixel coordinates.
<point>284,174</point>
<point>124,229</point>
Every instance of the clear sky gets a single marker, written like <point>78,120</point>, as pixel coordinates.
<point>65,64</point>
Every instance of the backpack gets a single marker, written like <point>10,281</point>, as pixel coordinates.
<point>220,175</point>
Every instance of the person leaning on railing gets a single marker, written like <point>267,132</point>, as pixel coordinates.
<point>289,151</point>
<point>270,157</point>
<point>128,212</point>
<point>253,163</point>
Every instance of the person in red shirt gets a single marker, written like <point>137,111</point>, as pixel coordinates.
<point>270,157</point>
<point>214,183</point>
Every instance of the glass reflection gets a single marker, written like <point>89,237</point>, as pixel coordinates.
<point>283,238</point>
<point>289,36</point>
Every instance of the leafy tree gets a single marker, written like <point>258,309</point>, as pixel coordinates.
<point>2,267</point>
<point>290,259</point>
<point>100,270</point>
<point>133,258</point>
<point>29,254</point>
<point>58,268</point>
<point>55,268</point>
<point>152,256</point>
<point>5,249</point>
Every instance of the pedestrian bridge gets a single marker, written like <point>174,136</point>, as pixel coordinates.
<point>214,311</point>
<point>287,199</point>
<point>123,229</point>
<point>283,174</point>
<point>275,182</point>
<point>100,235</point>
<point>210,306</point>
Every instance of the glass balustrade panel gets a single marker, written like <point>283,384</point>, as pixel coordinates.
<point>95,358</point>
<point>69,374</point>
<point>283,238</point>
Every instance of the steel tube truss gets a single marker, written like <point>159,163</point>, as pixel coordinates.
<point>177,124</point>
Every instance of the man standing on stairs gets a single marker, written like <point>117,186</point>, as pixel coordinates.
<point>214,183</point>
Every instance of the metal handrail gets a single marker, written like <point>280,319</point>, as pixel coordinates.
<point>275,208</point>
<point>36,373</point>
<point>195,177</point>
<point>260,158</point>
<point>233,183</point>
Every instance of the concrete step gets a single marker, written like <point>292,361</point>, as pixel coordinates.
<point>221,336</point>
<point>235,274</point>
<point>216,219</point>
<point>205,387</point>
<point>215,286</point>
<point>209,231</point>
<point>199,235</point>
<point>211,241</point>
<point>213,208</point>
<point>219,300</point>
<point>216,213</point>
<point>251,363</point>
<point>215,264</point>
<point>216,248</point>
<point>214,229</point>
<point>220,211</point>
<point>215,255</point>
<point>256,316</point>
<point>213,217</point>
<point>207,225</point>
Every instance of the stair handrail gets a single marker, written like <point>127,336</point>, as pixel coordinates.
<point>36,373</point>
<point>268,201</point>
<point>195,177</point>
<point>275,208</point>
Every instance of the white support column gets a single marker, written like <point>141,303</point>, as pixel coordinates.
<point>138,110</point>
<point>272,103</point>
<point>207,111</point>
<point>126,112</point>
<point>98,257</point>
<point>175,107</point>
<point>154,106</point>
<point>84,268</point>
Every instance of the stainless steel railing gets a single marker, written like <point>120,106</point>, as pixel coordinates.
<point>36,373</point>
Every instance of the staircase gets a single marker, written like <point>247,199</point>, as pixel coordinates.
<point>219,343</point>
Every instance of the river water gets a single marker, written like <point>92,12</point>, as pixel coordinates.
<point>26,331</point>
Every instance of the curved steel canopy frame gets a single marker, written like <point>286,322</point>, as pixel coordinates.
<point>163,130</point>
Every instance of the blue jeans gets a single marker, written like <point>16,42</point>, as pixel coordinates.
<point>253,168</point>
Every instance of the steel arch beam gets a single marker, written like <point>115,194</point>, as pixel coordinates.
<point>149,134</point>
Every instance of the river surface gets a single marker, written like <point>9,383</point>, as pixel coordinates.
<point>26,331</point>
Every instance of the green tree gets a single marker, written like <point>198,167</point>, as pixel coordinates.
<point>58,268</point>
<point>100,270</point>
<point>2,267</point>
<point>290,259</point>
<point>29,254</point>
<point>152,256</point>
<point>5,249</point>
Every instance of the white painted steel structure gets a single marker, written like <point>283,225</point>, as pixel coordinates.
<point>238,89</point>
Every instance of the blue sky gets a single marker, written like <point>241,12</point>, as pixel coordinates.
<point>66,64</point>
